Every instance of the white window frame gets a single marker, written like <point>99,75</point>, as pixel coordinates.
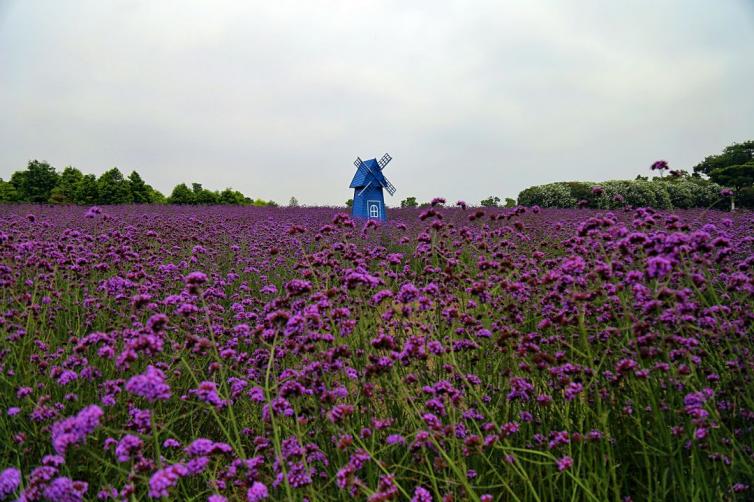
<point>376,204</point>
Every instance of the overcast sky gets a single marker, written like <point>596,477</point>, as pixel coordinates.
<point>277,98</point>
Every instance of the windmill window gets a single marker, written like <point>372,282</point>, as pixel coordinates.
<point>374,211</point>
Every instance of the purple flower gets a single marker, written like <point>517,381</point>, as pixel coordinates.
<point>127,446</point>
<point>92,212</point>
<point>564,463</point>
<point>197,465</point>
<point>10,480</point>
<point>171,443</point>
<point>572,390</point>
<point>659,165</point>
<point>739,488</point>
<point>298,287</point>
<point>196,278</point>
<point>205,447</point>
<point>407,293</point>
<point>67,376</point>
<point>395,439</point>
<point>164,479</point>
<point>64,489</point>
<point>520,389</point>
<point>207,392</point>
<point>150,385</point>
<point>421,495</point>
<point>75,429</point>
<point>658,267</point>
<point>257,492</point>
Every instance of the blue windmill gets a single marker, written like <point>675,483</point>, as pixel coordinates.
<point>368,182</point>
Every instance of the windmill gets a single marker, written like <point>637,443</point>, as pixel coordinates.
<point>368,182</point>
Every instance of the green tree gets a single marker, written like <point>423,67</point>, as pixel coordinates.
<point>409,202</point>
<point>737,176</point>
<point>202,195</point>
<point>65,191</point>
<point>293,202</point>
<point>181,195</point>
<point>232,197</point>
<point>349,203</point>
<point>86,190</point>
<point>113,188</point>
<point>491,201</point>
<point>509,203</point>
<point>155,196</point>
<point>7,192</point>
<point>733,155</point>
<point>140,191</point>
<point>36,183</point>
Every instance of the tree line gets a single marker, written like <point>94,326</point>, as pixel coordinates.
<point>41,183</point>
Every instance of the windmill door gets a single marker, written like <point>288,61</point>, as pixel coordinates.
<point>374,209</point>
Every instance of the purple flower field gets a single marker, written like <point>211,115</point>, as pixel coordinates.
<point>227,353</point>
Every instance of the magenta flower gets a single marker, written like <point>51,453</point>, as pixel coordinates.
<point>421,494</point>
<point>257,492</point>
<point>10,480</point>
<point>127,446</point>
<point>564,463</point>
<point>207,392</point>
<point>75,429</point>
<point>164,479</point>
<point>66,490</point>
<point>659,165</point>
<point>150,385</point>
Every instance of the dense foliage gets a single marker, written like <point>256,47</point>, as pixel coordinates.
<point>41,183</point>
<point>450,354</point>
<point>733,168</point>
<point>732,155</point>
<point>660,193</point>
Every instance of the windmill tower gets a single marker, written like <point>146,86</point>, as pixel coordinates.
<point>368,182</point>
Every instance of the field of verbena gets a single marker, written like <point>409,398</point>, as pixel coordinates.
<point>450,354</point>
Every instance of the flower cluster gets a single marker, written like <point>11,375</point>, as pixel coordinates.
<point>451,353</point>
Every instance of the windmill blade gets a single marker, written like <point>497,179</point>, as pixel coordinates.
<point>384,160</point>
<point>389,186</point>
<point>360,166</point>
<point>362,190</point>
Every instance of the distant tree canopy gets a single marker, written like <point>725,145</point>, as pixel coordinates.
<point>491,201</point>
<point>40,183</point>
<point>732,155</point>
<point>733,168</point>
<point>36,183</point>
<point>409,202</point>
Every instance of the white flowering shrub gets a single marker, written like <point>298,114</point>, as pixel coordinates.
<point>658,193</point>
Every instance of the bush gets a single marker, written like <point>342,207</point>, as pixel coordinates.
<point>660,193</point>
<point>551,195</point>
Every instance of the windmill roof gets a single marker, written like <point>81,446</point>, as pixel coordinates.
<point>362,177</point>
